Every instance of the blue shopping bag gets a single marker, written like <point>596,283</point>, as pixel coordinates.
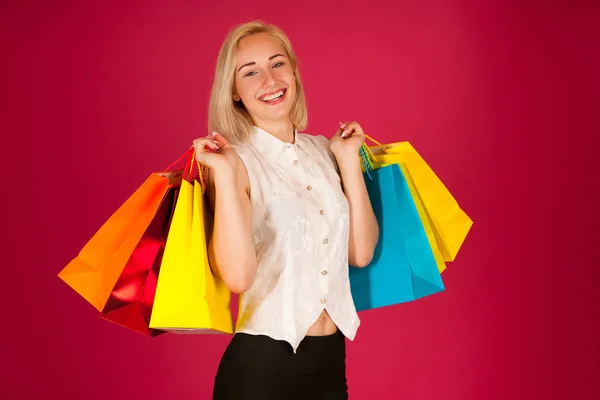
<point>403,268</point>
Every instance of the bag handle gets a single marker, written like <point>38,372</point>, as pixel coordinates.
<point>201,170</point>
<point>186,154</point>
<point>188,167</point>
<point>372,140</point>
<point>364,160</point>
<point>188,171</point>
<point>366,156</point>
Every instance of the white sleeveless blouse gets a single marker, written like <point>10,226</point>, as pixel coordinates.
<point>300,225</point>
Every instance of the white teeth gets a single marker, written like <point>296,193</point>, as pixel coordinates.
<point>272,96</point>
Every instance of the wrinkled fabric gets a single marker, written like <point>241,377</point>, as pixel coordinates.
<point>300,226</point>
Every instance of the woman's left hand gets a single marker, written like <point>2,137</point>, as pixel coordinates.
<point>347,140</point>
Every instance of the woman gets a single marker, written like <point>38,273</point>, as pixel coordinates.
<point>291,212</point>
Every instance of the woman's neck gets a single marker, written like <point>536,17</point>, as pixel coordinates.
<point>282,130</point>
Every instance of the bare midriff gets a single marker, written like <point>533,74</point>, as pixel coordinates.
<point>323,326</point>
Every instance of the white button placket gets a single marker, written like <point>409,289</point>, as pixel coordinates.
<point>323,282</point>
<point>292,160</point>
<point>323,269</point>
<point>297,169</point>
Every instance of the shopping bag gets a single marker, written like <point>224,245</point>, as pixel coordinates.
<point>425,218</point>
<point>96,269</point>
<point>189,298</point>
<point>450,223</point>
<point>94,272</point>
<point>368,163</point>
<point>130,303</point>
<point>403,268</point>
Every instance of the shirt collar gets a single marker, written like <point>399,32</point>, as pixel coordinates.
<point>268,145</point>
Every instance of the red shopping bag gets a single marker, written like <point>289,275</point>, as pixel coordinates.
<point>130,303</point>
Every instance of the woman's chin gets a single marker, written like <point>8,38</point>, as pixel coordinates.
<point>276,112</point>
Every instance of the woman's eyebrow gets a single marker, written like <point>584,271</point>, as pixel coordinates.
<point>254,63</point>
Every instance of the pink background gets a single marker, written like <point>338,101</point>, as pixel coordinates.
<point>500,97</point>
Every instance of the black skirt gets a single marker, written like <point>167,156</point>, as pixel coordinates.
<point>258,367</point>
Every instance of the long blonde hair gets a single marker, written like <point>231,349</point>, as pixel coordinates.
<point>230,118</point>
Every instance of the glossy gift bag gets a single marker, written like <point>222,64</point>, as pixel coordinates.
<point>95,271</point>
<point>404,267</point>
<point>189,297</point>
<point>130,303</point>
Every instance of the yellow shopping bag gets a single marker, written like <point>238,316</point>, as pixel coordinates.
<point>449,222</point>
<point>425,218</point>
<point>189,298</point>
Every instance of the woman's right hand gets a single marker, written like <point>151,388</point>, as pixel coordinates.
<point>216,153</point>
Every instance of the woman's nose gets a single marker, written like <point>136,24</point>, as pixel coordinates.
<point>268,78</point>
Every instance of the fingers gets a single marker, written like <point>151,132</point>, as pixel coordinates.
<point>202,145</point>
<point>220,140</point>
<point>343,129</point>
<point>214,141</point>
<point>350,128</point>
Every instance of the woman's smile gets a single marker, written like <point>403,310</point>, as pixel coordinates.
<point>273,97</point>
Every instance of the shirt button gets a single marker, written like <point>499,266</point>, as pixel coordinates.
<point>325,241</point>
<point>322,212</point>
<point>295,162</point>
<point>323,272</point>
<point>309,188</point>
<point>323,301</point>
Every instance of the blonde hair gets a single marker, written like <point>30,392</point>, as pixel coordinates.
<point>230,118</point>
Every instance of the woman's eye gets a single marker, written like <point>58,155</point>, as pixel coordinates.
<point>251,73</point>
<point>277,64</point>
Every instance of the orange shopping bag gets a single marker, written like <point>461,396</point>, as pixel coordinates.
<point>96,269</point>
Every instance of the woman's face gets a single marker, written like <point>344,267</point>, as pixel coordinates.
<point>264,79</point>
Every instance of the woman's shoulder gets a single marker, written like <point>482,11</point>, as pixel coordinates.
<point>244,150</point>
<point>318,145</point>
<point>316,139</point>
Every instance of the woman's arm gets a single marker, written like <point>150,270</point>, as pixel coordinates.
<point>231,250</point>
<point>364,228</point>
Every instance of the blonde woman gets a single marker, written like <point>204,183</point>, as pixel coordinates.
<point>291,213</point>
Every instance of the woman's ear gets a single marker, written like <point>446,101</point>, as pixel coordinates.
<point>236,97</point>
